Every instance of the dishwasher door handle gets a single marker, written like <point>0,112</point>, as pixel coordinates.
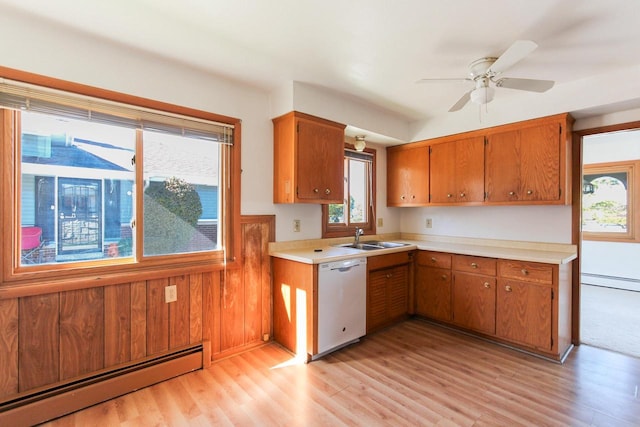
<point>345,269</point>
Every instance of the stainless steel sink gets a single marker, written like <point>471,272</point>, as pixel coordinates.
<point>372,245</point>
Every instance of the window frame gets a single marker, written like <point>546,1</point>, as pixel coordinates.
<point>345,230</point>
<point>104,271</point>
<point>632,169</point>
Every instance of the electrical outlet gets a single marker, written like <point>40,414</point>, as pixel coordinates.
<point>428,223</point>
<point>170,293</point>
<point>296,225</point>
<point>380,222</point>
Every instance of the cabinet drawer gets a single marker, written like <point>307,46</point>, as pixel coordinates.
<point>527,271</point>
<point>434,259</point>
<point>475,264</point>
<point>382,261</point>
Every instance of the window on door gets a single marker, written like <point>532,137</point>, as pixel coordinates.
<point>357,209</point>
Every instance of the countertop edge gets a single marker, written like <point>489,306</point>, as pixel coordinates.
<point>322,254</point>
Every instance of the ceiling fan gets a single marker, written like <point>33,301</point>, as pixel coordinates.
<point>485,73</point>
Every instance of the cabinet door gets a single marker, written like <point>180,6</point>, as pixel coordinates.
<point>470,170</point>
<point>524,164</point>
<point>320,162</point>
<point>397,292</point>
<point>433,293</point>
<point>376,300</point>
<point>540,159</point>
<point>408,176</point>
<point>474,302</point>
<point>457,171</point>
<point>523,313</point>
<point>502,172</point>
<point>442,173</point>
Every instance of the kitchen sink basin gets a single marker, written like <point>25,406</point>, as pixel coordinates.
<point>372,245</point>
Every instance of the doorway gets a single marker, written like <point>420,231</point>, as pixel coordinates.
<point>610,240</point>
<point>79,215</point>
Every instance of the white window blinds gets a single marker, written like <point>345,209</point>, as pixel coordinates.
<point>23,96</point>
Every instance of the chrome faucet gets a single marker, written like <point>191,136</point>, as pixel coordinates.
<point>359,232</point>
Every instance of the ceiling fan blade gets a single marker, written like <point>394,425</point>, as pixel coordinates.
<point>516,52</point>
<point>461,102</point>
<point>453,80</point>
<point>531,85</point>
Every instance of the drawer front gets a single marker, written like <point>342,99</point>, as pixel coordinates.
<point>527,271</point>
<point>434,259</point>
<point>475,264</point>
<point>377,262</point>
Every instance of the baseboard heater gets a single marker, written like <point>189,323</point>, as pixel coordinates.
<point>48,403</point>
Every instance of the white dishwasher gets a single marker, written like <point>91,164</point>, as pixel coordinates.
<point>342,304</point>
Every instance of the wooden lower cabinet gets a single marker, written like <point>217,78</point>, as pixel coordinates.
<point>524,313</point>
<point>474,302</point>
<point>433,285</point>
<point>387,289</point>
<point>523,304</point>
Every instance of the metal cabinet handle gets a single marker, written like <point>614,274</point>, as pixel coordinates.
<point>389,275</point>
<point>529,192</point>
<point>413,196</point>
<point>508,288</point>
<point>327,191</point>
<point>402,197</point>
<point>512,193</point>
<point>525,271</point>
<point>444,277</point>
<point>449,195</point>
<point>487,285</point>
<point>315,190</point>
<point>462,194</point>
<point>433,259</point>
<point>474,265</point>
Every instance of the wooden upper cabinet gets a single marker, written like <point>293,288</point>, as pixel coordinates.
<point>457,171</point>
<point>408,175</point>
<point>522,163</point>
<point>308,159</point>
<point>529,164</point>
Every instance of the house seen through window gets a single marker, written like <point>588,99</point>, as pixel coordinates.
<point>78,192</point>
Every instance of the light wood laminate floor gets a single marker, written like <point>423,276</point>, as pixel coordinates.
<point>412,374</point>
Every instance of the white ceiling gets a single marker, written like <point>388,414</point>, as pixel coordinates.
<point>374,50</point>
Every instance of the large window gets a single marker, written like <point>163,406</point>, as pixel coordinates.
<point>608,201</point>
<point>357,209</point>
<point>104,181</point>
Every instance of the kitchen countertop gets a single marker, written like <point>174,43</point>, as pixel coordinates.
<point>320,251</point>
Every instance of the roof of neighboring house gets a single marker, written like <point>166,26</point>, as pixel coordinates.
<point>79,155</point>
<point>194,162</point>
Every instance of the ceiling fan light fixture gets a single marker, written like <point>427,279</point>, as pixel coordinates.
<point>360,143</point>
<point>482,95</point>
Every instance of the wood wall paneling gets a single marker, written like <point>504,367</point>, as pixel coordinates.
<point>179,313</point>
<point>8,347</point>
<point>138,320</point>
<point>38,341</point>
<point>210,313</point>
<point>253,255</point>
<point>232,311</point>
<point>157,317</point>
<point>81,332</point>
<point>117,324</point>
<point>195,308</point>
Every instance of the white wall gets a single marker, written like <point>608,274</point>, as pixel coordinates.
<point>550,224</point>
